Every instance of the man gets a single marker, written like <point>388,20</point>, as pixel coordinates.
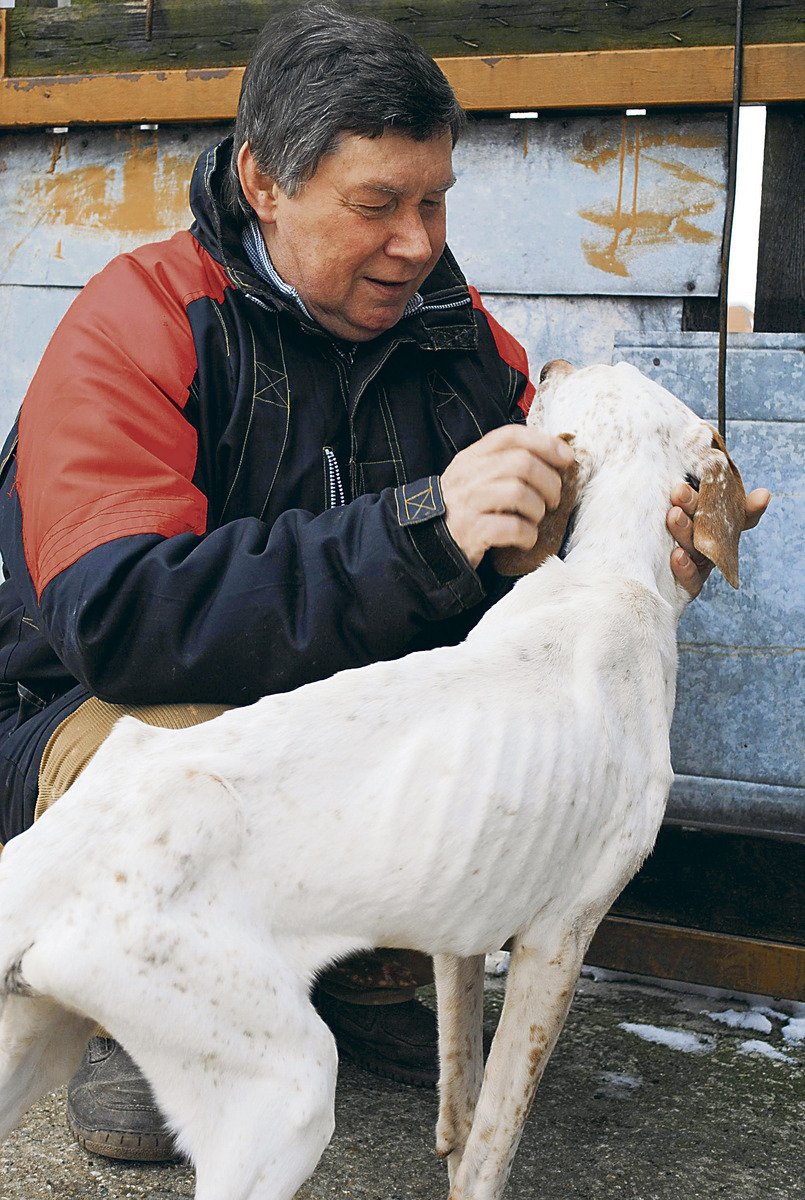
<point>268,449</point>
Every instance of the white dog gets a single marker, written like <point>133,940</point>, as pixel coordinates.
<point>188,888</point>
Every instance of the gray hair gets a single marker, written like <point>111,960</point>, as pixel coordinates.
<point>317,73</point>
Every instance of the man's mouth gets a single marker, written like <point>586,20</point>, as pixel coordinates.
<point>391,286</point>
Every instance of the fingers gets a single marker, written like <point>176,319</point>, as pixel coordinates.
<point>690,574</point>
<point>756,504</point>
<point>684,497</point>
<point>497,490</point>
<point>680,526</point>
<point>689,566</point>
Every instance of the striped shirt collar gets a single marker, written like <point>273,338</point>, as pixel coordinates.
<point>257,253</point>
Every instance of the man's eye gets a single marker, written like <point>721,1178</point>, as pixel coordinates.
<point>375,209</point>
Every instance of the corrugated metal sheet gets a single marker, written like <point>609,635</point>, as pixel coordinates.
<point>589,205</point>
<point>599,210</point>
<point>606,205</point>
<point>581,329</point>
<point>28,316</point>
<point>738,743</point>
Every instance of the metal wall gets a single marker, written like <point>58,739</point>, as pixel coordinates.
<point>584,234</point>
<point>600,208</point>
<point>738,739</point>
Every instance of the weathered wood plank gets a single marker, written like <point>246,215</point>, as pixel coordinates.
<point>3,42</point>
<point>95,35</point>
<point>714,959</point>
<point>606,79</point>
<point>780,296</point>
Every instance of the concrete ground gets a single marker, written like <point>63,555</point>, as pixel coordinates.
<point>702,1109</point>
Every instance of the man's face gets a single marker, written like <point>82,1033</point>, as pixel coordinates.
<point>363,234</point>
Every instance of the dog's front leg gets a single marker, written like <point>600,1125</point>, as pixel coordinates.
<point>542,977</point>
<point>459,991</point>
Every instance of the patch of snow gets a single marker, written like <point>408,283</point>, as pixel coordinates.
<point>794,1031</point>
<point>774,1013</point>
<point>617,1085</point>
<point>741,1020</point>
<point>497,963</point>
<point>782,1009</point>
<point>674,1039</point>
<point>755,1046</point>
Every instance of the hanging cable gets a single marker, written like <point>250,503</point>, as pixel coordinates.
<point>729,212</point>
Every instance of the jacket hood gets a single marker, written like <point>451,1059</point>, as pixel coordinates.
<point>218,227</point>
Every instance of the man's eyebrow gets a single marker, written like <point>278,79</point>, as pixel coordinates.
<point>385,190</point>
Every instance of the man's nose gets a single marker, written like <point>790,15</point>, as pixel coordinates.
<point>410,239</point>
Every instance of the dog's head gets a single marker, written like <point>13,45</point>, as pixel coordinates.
<point>612,415</point>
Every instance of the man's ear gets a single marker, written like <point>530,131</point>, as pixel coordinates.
<point>260,190</point>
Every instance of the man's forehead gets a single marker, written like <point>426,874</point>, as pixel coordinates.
<point>393,163</point>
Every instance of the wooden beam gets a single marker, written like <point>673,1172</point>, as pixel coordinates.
<point>3,41</point>
<point>110,35</point>
<point>714,959</point>
<point>701,75</point>
<point>609,79</point>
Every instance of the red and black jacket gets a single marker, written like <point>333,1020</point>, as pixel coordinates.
<point>166,518</point>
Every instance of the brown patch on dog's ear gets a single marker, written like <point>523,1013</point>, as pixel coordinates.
<point>721,512</point>
<point>512,562</point>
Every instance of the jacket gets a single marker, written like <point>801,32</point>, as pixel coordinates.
<point>208,497</point>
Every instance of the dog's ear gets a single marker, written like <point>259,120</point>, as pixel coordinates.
<point>721,512</point>
<point>509,561</point>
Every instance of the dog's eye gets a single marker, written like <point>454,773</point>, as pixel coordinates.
<point>693,481</point>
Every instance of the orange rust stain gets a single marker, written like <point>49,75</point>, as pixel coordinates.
<point>57,250</point>
<point>682,171</point>
<point>596,152</point>
<point>139,193</point>
<point>55,153</point>
<point>671,218</point>
<point>636,177</point>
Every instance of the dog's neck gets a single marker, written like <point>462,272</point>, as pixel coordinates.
<point>620,526</point>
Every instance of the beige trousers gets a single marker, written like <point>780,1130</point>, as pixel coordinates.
<point>383,977</point>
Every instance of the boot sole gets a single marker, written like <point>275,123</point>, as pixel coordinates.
<point>129,1147</point>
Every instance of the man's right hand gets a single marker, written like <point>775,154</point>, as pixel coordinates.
<point>496,491</point>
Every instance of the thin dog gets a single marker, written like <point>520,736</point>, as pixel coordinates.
<point>508,786</point>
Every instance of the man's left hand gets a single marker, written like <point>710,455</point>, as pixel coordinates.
<point>691,568</point>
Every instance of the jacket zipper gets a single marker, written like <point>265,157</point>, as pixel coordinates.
<point>442,307</point>
<point>335,488</point>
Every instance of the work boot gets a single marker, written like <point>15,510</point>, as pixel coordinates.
<point>110,1108</point>
<point>397,1041</point>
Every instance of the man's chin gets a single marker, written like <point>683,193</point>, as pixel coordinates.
<point>362,327</point>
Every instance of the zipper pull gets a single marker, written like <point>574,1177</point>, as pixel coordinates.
<point>334,488</point>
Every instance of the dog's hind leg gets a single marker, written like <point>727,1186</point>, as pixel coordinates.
<point>460,992</point>
<point>544,967</point>
<point>271,1128</point>
<point>252,1101</point>
<point>41,1045</point>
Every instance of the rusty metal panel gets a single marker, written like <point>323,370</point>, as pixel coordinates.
<point>581,329</point>
<point>73,201</point>
<point>28,316</point>
<point>737,738</point>
<point>592,205</point>
<point>568,206</point>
